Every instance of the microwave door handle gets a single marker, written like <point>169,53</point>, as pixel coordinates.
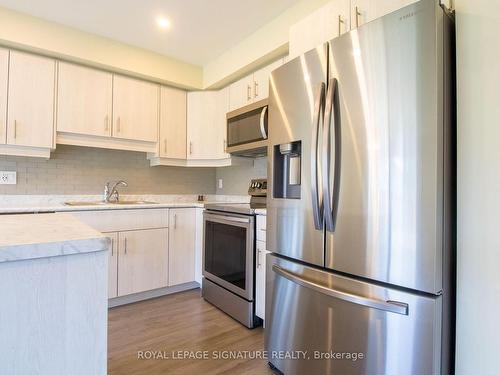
<point>262,123</point>
<point>389,305</point>
<point>331,126</point>
<point>317,196</point>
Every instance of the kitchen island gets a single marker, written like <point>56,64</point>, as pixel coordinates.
<point>53,295</point>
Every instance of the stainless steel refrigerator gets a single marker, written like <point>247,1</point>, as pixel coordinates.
<point>360,203</point>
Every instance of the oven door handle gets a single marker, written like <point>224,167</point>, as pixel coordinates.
<point>233,219</point>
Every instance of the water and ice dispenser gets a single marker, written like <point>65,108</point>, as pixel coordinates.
<point>287,170</point>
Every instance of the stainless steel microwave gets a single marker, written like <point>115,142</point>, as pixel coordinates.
<point>247,130</point>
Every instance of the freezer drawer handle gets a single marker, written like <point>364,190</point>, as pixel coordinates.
<point>390,306</point>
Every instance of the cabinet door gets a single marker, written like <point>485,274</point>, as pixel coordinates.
<point>362,11</point>
<point>4,74</point>
<point>240,93</point>
<point>383,7</point>
<point>203,136</point>
<point>31,95</point>
<point>338,19</point>
<point>135,109</point>
<point>222,108</point>
<point>113,266</point>
<point>182,229</point>
<point>261,80</point>
<point>260,280</point>
<point>173,123</point>
<point>84,100</point>
<point>142,260</point>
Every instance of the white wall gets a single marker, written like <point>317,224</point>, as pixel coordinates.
<point>22,31</point>
<point>478,299</point>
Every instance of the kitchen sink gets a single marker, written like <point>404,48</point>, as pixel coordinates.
<point>101,203</point>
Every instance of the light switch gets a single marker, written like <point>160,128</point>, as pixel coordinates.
<point>219,183</point>
<point>8,178</point>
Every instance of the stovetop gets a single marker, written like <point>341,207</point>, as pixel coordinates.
<point>257,191</point>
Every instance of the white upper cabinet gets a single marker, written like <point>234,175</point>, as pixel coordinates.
<point>135,109</point>
<point>31,93</point>
<point>240,92</point>
<point>261,80</point>
<point>336,18</point>
<point>362,11</point>
<point>173,114</point>
<point>205,140</point>
<point>222,107</point>
<point>84,100</point>
<point>383,7</point>
<point>4,74</point>
<point>251,88</point>
<point>326,23</point>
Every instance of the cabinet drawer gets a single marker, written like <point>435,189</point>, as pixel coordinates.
<point>121,220</point>
<point>261,228</point>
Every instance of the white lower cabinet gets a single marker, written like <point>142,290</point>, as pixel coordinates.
<point>113,266</point>
<point>142,260</point>
<point>260,280</point>
<point>182,242</point>
<point>150,248</point>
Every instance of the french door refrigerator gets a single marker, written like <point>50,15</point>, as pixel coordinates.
<point>361,201</point>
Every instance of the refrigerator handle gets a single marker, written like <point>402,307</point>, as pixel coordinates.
<point>331,191</point>
<point>389,306</point>
<point>317,196</point>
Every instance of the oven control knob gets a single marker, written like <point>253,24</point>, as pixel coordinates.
<point>259,185</point>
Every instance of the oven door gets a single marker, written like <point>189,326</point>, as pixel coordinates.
<point>228,251</point>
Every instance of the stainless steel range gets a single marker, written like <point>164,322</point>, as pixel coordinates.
<point>229,255</point>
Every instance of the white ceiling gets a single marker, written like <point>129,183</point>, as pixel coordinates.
<point>200,30</point>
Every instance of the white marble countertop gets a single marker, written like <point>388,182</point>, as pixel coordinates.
<point>25,237</point>
<point>261,211</point>
<point>10,204</point>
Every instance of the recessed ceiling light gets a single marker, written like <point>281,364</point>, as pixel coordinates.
<point>162,22</point>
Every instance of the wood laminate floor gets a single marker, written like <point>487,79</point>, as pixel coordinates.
<point>179,322</point>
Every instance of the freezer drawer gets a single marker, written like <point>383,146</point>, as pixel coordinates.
<point>345,326</point>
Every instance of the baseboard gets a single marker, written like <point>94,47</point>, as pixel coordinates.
<point>132,298</point>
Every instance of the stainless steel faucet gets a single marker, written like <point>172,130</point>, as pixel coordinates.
<point>112,194</point>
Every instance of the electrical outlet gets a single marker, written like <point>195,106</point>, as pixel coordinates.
<point>220,183</point>
<point>8,178</point>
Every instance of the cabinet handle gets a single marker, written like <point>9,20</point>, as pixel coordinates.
<point>190,148</point>
<point>112,245</point>
<point>224,145</point>
<point>118,126</point>
<point>15,129</point>
<point>175,221</point>
<point>125,245</point>
<point>165,145</point>
<point>341,22</point>
<point>106,123</point>
<point>249,92</point>
<point>258,258</point>
<point>358,13</point>
<point>255,89</point>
